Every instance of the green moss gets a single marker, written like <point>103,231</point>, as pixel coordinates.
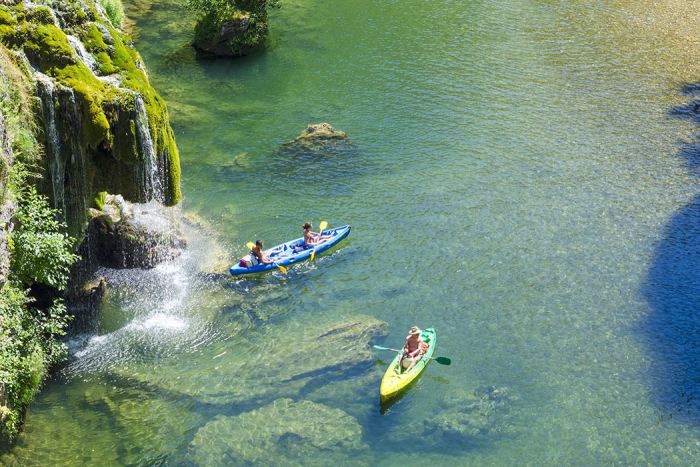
<point>90,90</point>
<point>108,113</point>
<point>6,18</point>
<point>93,40</point>
<point>40,15</point>
<point>19,12</point>
<point>100,199</point>
<point>46,46</point>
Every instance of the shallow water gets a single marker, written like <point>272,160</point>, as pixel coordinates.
<point>522,176</point>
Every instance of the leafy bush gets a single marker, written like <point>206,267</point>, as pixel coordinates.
<point>227,7</point>
<point>215,12</point>
<point>40,251</point>
<point>115,11</point>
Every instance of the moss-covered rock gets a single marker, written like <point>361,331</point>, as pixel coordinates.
<point>96,136</point>
<point>229,35</point>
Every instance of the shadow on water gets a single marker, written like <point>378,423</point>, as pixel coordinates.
<point>672,290</point>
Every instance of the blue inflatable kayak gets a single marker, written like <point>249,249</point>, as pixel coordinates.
<point>293,252</point>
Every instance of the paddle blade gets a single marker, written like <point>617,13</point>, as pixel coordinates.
<point>284,270</point>
<point>250,245</point>
<point>380,347</point>
<point>443,361</point>
<point>323,225</point>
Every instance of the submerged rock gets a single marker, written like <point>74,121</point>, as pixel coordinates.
<point>282,433</point>
<point>463,419</point>
<point>316,356</point>
<point>469,419</point>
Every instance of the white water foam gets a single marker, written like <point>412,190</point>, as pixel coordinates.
<point>82,53</point>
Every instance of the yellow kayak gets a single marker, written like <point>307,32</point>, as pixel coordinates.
<point>393,382</point>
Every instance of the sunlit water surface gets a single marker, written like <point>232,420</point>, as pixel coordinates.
<point>523,177</point>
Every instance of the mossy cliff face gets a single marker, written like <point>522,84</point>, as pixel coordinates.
<point>105,127</point>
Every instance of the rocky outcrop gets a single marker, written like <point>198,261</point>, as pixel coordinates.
<point>123,235</point>
<point>105,128</point>
<point>227,33</point>
<point>225,38</point>
<point>318,139</point>
<point>320,132</point>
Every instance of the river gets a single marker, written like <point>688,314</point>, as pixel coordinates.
<point>522,176</point>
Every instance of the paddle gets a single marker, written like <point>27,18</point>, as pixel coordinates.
<point>440,360</point>
<point>251,245</point>
<point>323,225</point>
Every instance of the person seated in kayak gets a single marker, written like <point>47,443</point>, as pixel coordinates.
<point>413,349</point>
<point>312,238</point>
<point>258,251</point>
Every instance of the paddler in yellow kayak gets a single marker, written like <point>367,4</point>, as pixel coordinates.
<point>413,349</point>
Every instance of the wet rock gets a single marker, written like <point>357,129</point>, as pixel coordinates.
<point>87,296</point>
<point>284,432</point>
<point>130,236</point>
<point>104,126</point>
<point>320,132</point>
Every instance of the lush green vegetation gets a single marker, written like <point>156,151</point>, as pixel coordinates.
<point>114,11</point>
<point>39,255</point>
<point>215,12</point>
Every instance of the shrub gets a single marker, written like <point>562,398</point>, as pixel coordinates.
<point>214,12</point>
<point>115,11</point>
<point>40,251</point>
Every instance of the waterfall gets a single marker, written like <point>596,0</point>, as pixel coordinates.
<point>57,166</point>
<point>84,56</point>
<point>151,173</point>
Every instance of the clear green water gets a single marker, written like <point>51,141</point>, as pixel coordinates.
<point>523,178</point>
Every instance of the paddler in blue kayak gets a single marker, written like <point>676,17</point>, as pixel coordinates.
<point>258,251</point>
<point>312,238</point>
<point>413,349</point>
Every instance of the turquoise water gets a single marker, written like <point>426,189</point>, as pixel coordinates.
<point>522,176</point>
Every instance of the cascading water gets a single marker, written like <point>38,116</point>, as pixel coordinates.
<point>84,56</point>
<point>45,90</point>
<point>151,173</point>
